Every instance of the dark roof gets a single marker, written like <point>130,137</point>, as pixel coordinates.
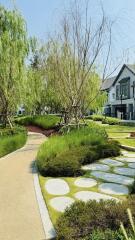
<point>108,83</point>
<point>130,67</point>
<point>111,81</point>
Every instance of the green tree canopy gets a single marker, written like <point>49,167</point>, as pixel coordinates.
<point>14,48</point>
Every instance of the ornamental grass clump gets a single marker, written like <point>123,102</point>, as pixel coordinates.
<point>45,121</point>
<point>63,155</point>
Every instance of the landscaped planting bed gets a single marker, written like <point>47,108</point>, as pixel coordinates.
<point>11,139</point>
<point>84,165</point>
<point>45,121</point>
<point>64,155</point>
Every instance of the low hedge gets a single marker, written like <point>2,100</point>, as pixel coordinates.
<point>12,141</point>
<point>45,121</point>
<point>104,119</point>
<point>111,120</point>
<point>95,117</point>
<point>81,219</point>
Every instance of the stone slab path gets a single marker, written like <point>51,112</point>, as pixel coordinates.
<point>109,178</point>
<point>19,213</point>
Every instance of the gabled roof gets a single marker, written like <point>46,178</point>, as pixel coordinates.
<point>111,81</point>
<point>108,83</point>
<point>130,67</point>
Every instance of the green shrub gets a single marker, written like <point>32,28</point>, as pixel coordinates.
<point>96,117</point>
<point>65,164</point>
<point>81,219</point>
<point>46,121</point>
<point>109,149</point>
<point>105,235</point>
<point>84,145</point>
<point>111,120</point>
<point>51,150</point>
<point>11,142</point>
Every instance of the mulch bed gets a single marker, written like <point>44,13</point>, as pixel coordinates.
<point>46,132</point>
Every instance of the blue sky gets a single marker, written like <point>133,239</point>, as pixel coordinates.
<point>43,16</point>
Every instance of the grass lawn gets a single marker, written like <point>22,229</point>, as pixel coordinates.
<point>127,142</point>
<point>120,133</point>
<point>11,141</point>
<point>119,128</point>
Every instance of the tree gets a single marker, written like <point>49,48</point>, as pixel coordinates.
<point>74,54</point>
<point>14,48</point>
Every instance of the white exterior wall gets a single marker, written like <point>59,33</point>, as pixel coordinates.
<point>125,74</point>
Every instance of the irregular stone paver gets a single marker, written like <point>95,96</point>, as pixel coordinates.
<point>19,212</point>
<point>113,188</point>
<point>111,177</point>
<point>125,159</point>
<point>112,162</point>
<point>125,171</point>
<point>57,186</point>
<point>94,166</point>
<point>131,165</point>
<point>89,195</point>
<point>61,203</point>
<point>85,182</point>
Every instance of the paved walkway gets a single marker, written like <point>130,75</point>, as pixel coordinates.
<point>19,213</point>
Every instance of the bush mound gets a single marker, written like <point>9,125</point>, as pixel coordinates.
<point>82,219</point>
<point>64,155</point>
<point>45,122</point>
<point>11,140</point>
<point>111,120</point>
<point>104,119</point>
<point>110,149</point>
<point>95,117</point>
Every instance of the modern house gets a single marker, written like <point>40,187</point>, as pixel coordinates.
<point>121,94</point>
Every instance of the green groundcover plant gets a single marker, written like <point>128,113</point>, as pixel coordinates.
<point>95,220</point>
<point>11,139</point>
<point>64,155</point>
<point>45,121</point>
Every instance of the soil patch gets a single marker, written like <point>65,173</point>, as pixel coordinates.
<point>46,132</point>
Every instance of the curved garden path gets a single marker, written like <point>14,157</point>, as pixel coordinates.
<point>19,213</point>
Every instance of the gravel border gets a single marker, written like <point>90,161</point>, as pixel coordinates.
<point>46,221</point>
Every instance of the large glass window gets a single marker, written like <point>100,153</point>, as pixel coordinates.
<point>123,89</point>
<point>117,92</point>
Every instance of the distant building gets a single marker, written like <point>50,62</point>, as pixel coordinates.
<point>121,94</point>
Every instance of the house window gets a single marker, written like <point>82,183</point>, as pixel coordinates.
<point>113,95</point>
<point>123,90</point>
<point>117,92</point>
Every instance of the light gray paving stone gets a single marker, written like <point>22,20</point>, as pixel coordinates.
<point>57,186</point>
<point>113,188</point>
<point>61,203</point>
<point>131,165</point>
<point>111,177</point>
<point>85,182</point>
<point>125,159</point>
<point>94,166</point>
<point>112,162</point>
<point>89,195</point>
<point>125,171</point>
